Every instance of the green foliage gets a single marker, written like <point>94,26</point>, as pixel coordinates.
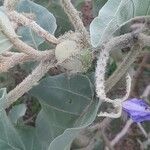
<point>97,5</point>
<point>29,138</point>
<point>42,16</point>
<point>63,23</point>
<point>111,68</point>
<point>17,112</point>
<point>54,6</point>
<point>67,102</point>
<point>9,138</point>
<point>78,4</point>
<point>68,105</point>
<point>113,15</point>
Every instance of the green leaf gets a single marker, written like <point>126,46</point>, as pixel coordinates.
<point>5,44</point>
<point>68,105</point>
<point>29,138</point>
<point>9,138</point>
<point>63,22</point>
<point>113,15</point>
<point>16,112</point>
<point>42,16</point>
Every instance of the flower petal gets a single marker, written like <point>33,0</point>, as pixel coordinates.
<point>137,109</point>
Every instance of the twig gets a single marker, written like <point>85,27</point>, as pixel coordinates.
<point>23,47</point>
<point>100,125</point>
<point>89,147</point>
<point>28,82</point>
<point>9,59</point>
<point>20,18</point>
<point>115,43</point>
<point>124,66</point>
<point>143,130</point>
<point>107,142</point>
<point>75,20</point>
<point>30,119</point>
<point>122,133</point>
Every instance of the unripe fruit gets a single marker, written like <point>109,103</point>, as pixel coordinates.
<point>71,54</point>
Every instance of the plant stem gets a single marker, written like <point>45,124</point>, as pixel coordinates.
<point>123,68</point>
<point>20,18</point>
<point>30,81</point>
<point>75,19</point>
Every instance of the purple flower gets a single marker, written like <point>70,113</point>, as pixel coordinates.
<point>137,109</point>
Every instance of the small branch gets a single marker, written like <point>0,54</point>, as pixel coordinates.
<point>107,142</point>
<point>124,66</point>
<point>100,125</point>
<point>23,47</point>
<point>122,133</point>
<point>120,42</point>
<point>28,82</point>
<point>20,18</point>
<point>75,20</point>
<point>142,130</point>
<point>10,59</point>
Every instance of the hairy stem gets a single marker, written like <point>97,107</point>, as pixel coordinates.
<point>28,82</point>
<point>123,68</point>
<point>20,18</point>
<point>10,59</point>
<point>75,19</point>
<point>10,4</point>
<point>23,47</point>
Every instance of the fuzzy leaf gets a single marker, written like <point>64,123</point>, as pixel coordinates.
<point>113,15</point>
<point>67,107</point>
<point>42,16</point>
<point>9,138</point>
<point>29,138</point>
<point>16,112</point>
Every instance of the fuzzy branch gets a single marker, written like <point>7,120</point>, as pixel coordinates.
<point>23,47</point>
<point>21,19</point>
<point>75,19</point>
<point>122,133</point>
<point>10,4</point>
<point>9,59</point>
<point>28,82</point>
<point>124,66</point>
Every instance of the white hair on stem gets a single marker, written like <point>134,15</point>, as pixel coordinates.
<point>100,86</point>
